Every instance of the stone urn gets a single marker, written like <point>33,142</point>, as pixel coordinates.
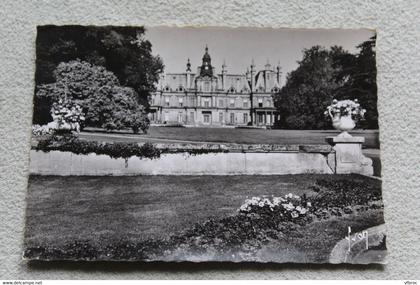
<point>343,123</point>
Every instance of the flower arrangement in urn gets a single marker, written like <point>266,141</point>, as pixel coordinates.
<point>67,115</point>
<point>344,114</point>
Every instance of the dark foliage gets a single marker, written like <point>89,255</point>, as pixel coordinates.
<point>114,150</point>
<point>359,81</point>
<point>342,193</point>
<point>121,50</point>
<point>339,197</point>
<point>65,141</point>
<point>324,75</point>
<point>309,90</point>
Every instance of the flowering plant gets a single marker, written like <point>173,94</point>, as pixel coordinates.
<point>42,130</point>
<point>289,207</point>
<point>67,115</point>
<point>345,108</point>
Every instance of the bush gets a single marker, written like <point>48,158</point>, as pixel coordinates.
<point>95,92</point>
<point>114,150</point>
<point>343,192</point>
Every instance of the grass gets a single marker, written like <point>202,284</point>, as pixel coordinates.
<point>232,135</point>
<point>100,210</point>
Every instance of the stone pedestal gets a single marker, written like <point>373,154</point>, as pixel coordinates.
<point>348,155</point>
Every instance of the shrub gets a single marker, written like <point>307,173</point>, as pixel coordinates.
<point>95,91</point>
<point>114,150</point>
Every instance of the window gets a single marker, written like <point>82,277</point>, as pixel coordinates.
<point>268,103</point>
<point>221,103</point>
<point>180,118</point>
<point>192,117</point>
<point>220,117</point>
<point>245,103</point>
<point>206,102</point>
<point>206,118</point>
<point>206,86</point>
<point>167,101</point>
<point>232,118</point>
<point>181,102</point>
<point>260,102</point>
<point>232,103</point>
<point>245,118</point>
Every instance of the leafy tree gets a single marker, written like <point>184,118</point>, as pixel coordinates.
<point>324,75</point>
<point>359,81</point>
<point>105,102</point>
<point>122,50</point>
<point>309,89</point>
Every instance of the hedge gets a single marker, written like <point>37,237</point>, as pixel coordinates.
<point>114,150</point>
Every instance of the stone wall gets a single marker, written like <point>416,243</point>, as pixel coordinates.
<point>183,163</point>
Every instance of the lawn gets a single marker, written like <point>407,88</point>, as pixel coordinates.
<point>232,135</point>
<point>101,210</point>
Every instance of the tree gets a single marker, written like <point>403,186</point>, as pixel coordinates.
<point>359,81</point>
<point>309,89</point>
<point>122,50</point>
<point>105,102</point>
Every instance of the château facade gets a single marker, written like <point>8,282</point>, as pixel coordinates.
<point>206,98</point>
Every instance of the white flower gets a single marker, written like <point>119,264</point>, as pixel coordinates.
<point>290,195</point>
<point>288,206</point>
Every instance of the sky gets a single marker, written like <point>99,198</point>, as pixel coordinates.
<point>238,46</point>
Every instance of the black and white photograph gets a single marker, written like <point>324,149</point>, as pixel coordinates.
<point>205,144</point>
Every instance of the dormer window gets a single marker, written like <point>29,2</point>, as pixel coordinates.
<point>232,90</point>
<point>206,86</point>
<point>260,102</point>
<point>180,88</point>
<point>275,90</point>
